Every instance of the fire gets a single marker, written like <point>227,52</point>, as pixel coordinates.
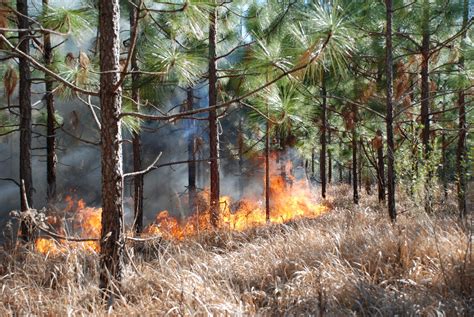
<point>290,199</point>
<point>84,222</point>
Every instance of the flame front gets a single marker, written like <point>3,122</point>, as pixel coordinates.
<point>85,222</point>
<point>290,199</point>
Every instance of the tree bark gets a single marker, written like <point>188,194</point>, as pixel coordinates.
<point>51,158</point>
<point>191,153</point>
<point>355,166</point>
<point>461,152</point>
<point>322,156</point>
<point>25,115</point>
<point>329,151</point>
<point>112,240</point>
<point>425,97</point>
<point>241,157</point>
<point>213,124</point>
<point>380,169</point>
<point>389,119</point>
<point>138,182</point>
<point>267,169</point>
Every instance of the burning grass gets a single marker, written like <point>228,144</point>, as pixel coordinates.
<point>350,260</point>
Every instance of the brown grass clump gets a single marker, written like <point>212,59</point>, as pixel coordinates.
<point>349,261</point>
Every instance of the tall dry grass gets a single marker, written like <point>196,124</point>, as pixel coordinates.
<point>349,261</point>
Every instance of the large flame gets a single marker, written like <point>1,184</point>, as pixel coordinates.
<point>290,199</point>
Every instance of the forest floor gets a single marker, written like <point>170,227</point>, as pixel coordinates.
<point>351,260</point>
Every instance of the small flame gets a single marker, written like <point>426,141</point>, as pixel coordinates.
<point>86,221</point>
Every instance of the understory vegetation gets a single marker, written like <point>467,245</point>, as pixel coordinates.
<point>351,260</point>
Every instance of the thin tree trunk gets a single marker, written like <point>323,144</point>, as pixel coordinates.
<point>112,240</point>
<point>213,124</point>
<point>25,116</point>
<point>360,165</point>
<point>425,98</point>
<point>322,156</point>
<point>380,169</point>
<point>241,157</point>
<point>390,144</point>
<point>461,152</point>
<point>191,153</point>
<point>51,159</point>
<point>312,162</point>
<point>267,169</point>
<point>138,182</point>
<point>355,166</point>
<point>329,152</point>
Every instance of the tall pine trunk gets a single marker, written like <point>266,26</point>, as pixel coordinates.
<point>191,152</point>
<point>328,127</point>
<point>213,124</point>
<point>425,98</point>
<point>389,119</point>
<point>267,169</point>
<point>241,157</point>
<point>26,197</point>
<point>322,156</point>
<point>380,167</point>
<point>355,166</point>
<point>112,240</point>
<point>461,152</point>
<point>138,183</point>
<point>51,158</point>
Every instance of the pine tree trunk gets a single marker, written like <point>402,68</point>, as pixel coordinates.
<point>267,169</point>
<point>322,156</point>
<point>329,153</point>
<point>191,153</point>
<point>355,167</point>
<point>112,240</point>
<point>390,144</point>
<point>461,152</point>
<point>25,115</point>
<point>425,98</point>
<point>380,170</point>
<point>138,182</point>
<point>51,158</point>
<point>213,129</point>
<point>241,157</point>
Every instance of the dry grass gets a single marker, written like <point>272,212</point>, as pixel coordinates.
<point>349,261</point>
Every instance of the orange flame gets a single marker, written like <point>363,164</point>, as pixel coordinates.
<point>85,220</point>
<point>290,199</point>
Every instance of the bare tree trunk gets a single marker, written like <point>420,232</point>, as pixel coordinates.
<point>389,119</point>
<point>241,157</point>
<point>267,169</point>
<point>138,182</point>
<point>312,162</point>
<point>25,115</point>
<point>112,240</point>
<point>380,169</point>
<point>213,124</point>
<point>322,156</point>
<point>355,166</point>
<point>51,158</point>
<point>191,153</point>
<point>461,152</point>
<point>329,153</point>
<point>425,97</point>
